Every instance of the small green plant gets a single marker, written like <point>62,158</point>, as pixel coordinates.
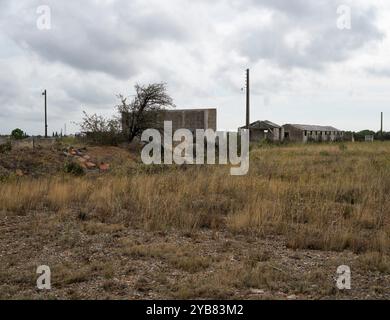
<point>343,147</point>
<point>74,168</point>
<point>324,153</point>
<point>265,142</point>
<point>5,147</point>
<point>18,134</point>
<point>4,174</point>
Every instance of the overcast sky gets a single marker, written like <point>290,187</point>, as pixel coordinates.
<point>304,68</point>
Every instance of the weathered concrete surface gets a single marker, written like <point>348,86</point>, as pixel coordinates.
<point>305,133</point>
<point>190,119</point>
<point>32,142</point>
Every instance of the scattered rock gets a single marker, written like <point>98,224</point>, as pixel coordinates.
<point>82,160</point>
<point>292,297</point>
<point>90,165</point>
<point>257,291</point>
<point>85,160</point>
<point>104,166</point>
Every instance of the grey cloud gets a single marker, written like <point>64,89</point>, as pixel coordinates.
<point>325,43</point>
<point>116,38</point>
<point>95,46</point>
<point>92,37</point>
<point>378,72</point>
<point>9,88</point>
<point>299,8</point>
<point>86,93</point>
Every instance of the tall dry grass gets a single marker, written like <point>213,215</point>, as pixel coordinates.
<point>323,197</point>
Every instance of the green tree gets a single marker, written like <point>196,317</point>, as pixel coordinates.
<point>18,134</point>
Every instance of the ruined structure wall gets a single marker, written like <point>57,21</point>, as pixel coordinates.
<point>183,119</point>
<point>294,134</point>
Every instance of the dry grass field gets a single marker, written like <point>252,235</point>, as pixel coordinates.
<point>155,232</point>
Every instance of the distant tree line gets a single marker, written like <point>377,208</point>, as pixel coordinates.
<point>361,135</point>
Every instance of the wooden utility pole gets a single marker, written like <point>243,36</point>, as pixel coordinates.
<point>44,93</point>
<point>247,100</point>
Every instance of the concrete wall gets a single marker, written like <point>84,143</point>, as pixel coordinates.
<point>257,135</point>
<point>279,134</point>
<point>298,135</point>
<point>293,134</point>
<point>326,136</point>
<point>32,142</point>
<point>191,119</point>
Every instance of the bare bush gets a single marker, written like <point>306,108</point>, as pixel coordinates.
<point>143,111</point>
<point>101,130</point>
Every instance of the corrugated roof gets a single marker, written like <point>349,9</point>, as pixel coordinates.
<point>271,124</point>
<point>263,125</point>
<point>309,127</point>
<point>196,109</point>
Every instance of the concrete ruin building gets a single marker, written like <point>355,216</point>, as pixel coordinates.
<point>191,119</point>
<point>265,130</point>
<point>307,133</point>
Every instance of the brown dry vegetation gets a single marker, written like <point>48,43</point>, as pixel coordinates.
<point>197,232</point>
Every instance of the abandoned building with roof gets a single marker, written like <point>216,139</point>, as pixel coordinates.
<point>267,130</point>
<point>307,133</point>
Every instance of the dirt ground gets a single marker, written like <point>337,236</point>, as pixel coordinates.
<point>109,237</point>
<point>50,162</point>
<point>89,260</point>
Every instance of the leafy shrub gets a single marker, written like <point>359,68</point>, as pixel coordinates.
<point>74,168</point>
<point>18,134</point>
<point>5,147</point>
<point>99,130</point>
